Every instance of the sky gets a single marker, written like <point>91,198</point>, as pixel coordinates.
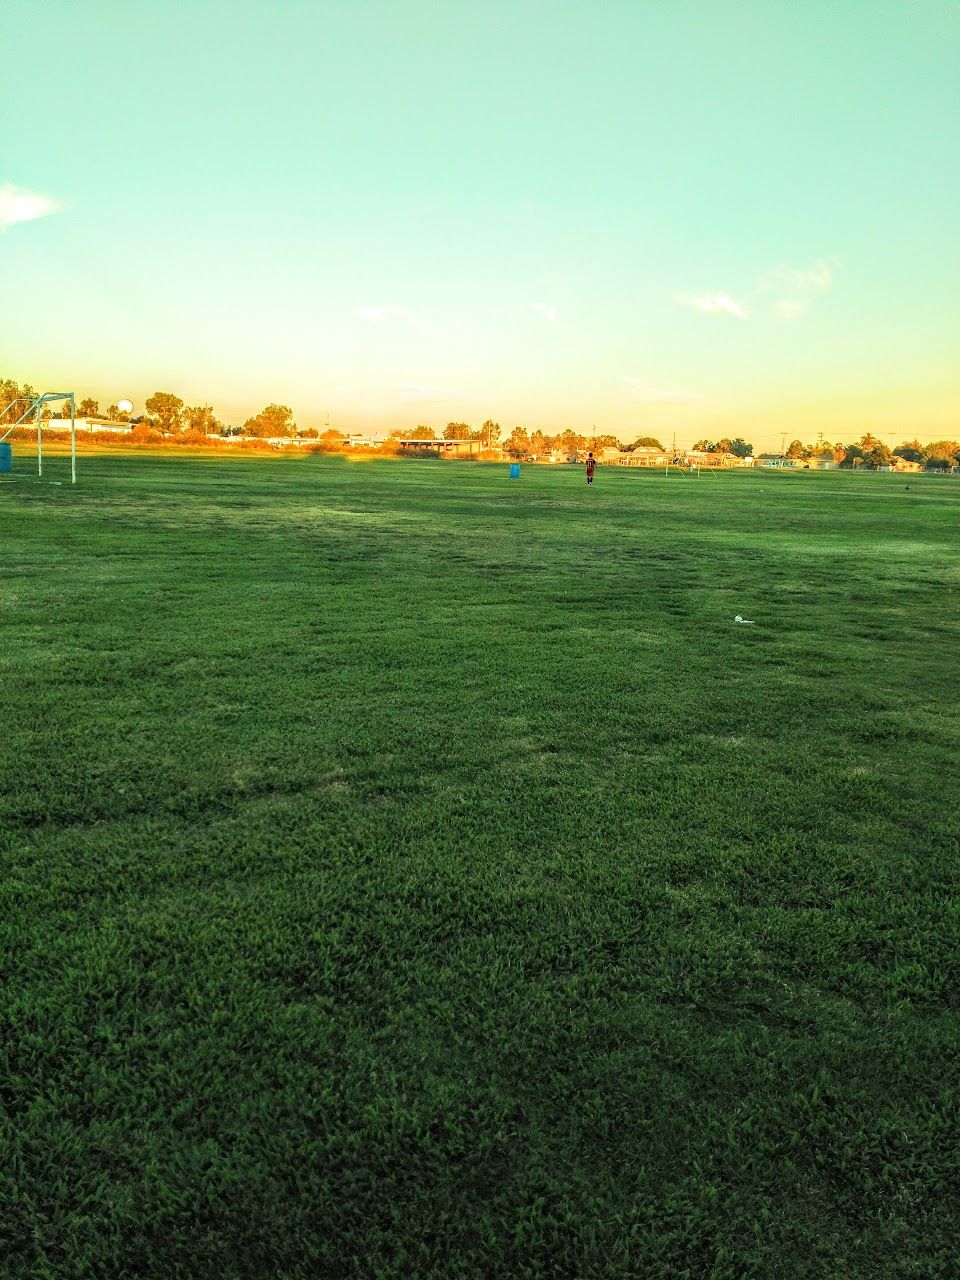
<point>685,218</point>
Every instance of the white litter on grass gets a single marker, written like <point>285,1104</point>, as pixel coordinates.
<point>747,622</point>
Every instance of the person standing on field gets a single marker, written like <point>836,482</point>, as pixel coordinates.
<point>591,467</point>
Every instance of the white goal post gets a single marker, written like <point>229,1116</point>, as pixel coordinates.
<point>35,409</point>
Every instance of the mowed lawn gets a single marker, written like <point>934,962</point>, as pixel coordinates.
<point>410,872</point>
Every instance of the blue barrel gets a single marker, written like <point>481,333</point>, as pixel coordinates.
<point>6,457</point>
<point>514,470</point>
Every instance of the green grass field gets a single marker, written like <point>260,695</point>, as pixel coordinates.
<point>412,873</point>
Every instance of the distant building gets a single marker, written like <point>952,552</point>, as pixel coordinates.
<point>700,458</point>
<point>645,456</point>
<point>904,464</point>
<point>648,456</point>
<point>82,424</point>
<point>355,441</point>
<point>822,464</point>
<point>443,448</point>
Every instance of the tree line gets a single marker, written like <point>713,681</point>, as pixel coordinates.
<point>738,447</point>
<point>868,451</point>
<point>520,443</point>
<point>167,414</point>
<point>164,412</point>
<point>523,444</point>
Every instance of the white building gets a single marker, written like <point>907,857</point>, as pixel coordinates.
<point>904,464</point>
<point>443,448</point>
<point>82,424</point>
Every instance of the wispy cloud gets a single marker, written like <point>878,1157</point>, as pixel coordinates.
<point>650,395</point>
<point>796,287</point>
<point>17,205</point>
<point>377,315</point>
<point>549,312</point>
<point>713,304</point>
<point>416,393</point>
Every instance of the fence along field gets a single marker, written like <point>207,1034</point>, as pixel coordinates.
<point>411,872</point>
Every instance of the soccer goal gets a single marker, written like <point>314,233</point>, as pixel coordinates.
<point>34,409</point>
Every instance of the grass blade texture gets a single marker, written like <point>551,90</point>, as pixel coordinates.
<point>410,872</point>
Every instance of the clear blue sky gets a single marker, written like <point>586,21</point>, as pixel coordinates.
<point>712,217</point>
